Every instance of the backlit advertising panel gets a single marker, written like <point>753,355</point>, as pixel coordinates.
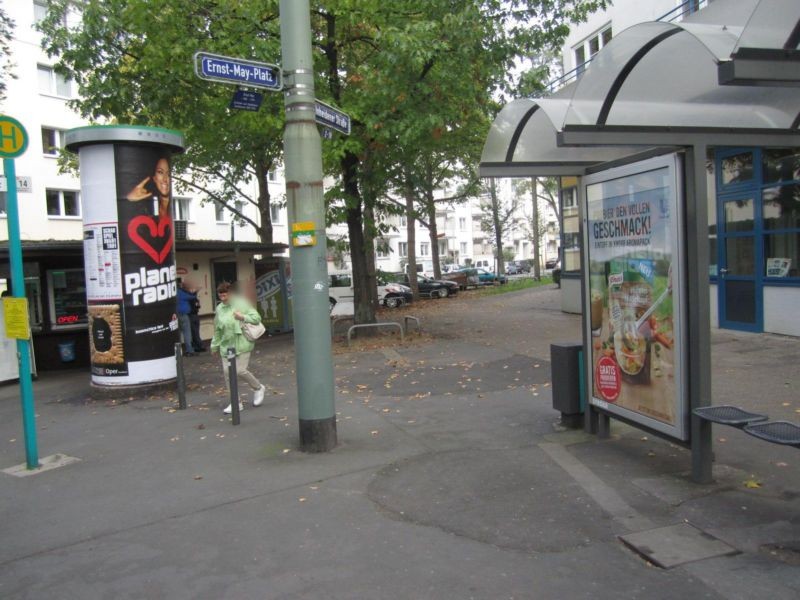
<point>635,309</point>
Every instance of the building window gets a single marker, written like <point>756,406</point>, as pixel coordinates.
<point>424,249</point>
<point>585,51</point>
<point>63,203</point>
<point>381,248</point>
<point>67,295</point>
<point>52,141</point>
<point>463,247</point>
<point>403,221</point>
<point>462,223</point>
<point>219,211</point>
<point>570,229</point>
<point>52,83</point>
<point>3,204</point>
<point>402,248</point>
<point>183,209</point>
<point>272,175</point>
<point>275,213</point>
<point>39,10</point>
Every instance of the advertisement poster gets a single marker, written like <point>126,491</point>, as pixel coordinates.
<point>102,261</point>
<point>149,277</point>
<point>634,296</point>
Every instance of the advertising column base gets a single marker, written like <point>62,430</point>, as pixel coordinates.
<point>318,435</point>
<point>135,392</point>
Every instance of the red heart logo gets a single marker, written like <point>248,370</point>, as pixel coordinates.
<point>157,230</point>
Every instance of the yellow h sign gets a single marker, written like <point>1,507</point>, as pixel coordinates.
<point>13,137</point>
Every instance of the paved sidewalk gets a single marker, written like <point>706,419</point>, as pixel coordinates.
<point>451,480</point>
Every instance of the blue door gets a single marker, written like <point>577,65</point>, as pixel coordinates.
<point>740,295</point>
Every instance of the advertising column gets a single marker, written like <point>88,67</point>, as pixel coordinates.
<point>635,294</point>
<point>128,249</point>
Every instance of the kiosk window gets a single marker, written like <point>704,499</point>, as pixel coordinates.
<point>67,291</point>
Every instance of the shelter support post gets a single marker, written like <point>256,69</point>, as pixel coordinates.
<point>697,299</point>
<point>590,415</point>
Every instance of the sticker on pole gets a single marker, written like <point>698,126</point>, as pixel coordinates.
<point>303,234</point>
<point>15,311</point>
<point>607,378</point>
<point>13,137</point>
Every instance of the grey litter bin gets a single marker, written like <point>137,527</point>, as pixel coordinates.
<point>566,382</point>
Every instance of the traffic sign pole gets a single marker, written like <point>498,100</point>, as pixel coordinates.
<point>18,291</point>
<point>303,160</point>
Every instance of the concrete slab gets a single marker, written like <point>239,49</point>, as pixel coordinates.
<point>48,463</point>
<point>668,547</point>
<point>675,489</point>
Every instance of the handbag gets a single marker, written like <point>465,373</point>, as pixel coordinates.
<point>252,331</point>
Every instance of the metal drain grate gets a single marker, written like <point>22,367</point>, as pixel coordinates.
<point>728,415</point>
<point>777,432</point>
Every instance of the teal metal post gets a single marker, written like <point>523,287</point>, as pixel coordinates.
<point>18,291</point>
<point>303,159</point>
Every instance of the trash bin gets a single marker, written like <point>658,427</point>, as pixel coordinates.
<point>66,350</point>
<point>557,277</point>
<point>565,375</point>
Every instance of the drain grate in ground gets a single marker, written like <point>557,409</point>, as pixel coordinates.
<point>675,545</point>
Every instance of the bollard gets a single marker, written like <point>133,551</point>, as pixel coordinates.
<point>181,377</point>
<point>234,385</point>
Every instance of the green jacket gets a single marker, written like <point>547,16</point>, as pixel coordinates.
<point>228,330</point>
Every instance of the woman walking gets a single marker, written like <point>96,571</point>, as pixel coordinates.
<point>231,311</point>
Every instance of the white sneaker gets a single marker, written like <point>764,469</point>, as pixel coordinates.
<point>258,395</point>
<point>227,409</point>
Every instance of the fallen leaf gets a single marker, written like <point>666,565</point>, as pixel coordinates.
<point>198,477</point>
<point>286,450</point>
<point>781,464</point>
<point>301,499</point>
<point>374,432</point>
<point>723,440</point>
<point>752,484</point>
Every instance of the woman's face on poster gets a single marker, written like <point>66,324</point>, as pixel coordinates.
<point>161,177</point>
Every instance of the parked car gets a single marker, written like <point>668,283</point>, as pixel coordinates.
<point>519,266</point>
<point>489,278</point>
<point>552,263</point>
<point>433,288</point>
<point>341,294</point>
<point>465,277</point>
<point>397,294</point>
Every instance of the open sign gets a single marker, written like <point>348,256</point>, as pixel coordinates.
<point>67,319</point>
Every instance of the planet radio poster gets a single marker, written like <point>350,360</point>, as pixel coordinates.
<point>635,307</point>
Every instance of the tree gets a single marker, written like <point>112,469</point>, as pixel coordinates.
<point>133,63</point>
<point>6,37</point>
<point>497,220</point>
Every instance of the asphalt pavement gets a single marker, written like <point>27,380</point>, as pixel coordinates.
<point>452,479</point>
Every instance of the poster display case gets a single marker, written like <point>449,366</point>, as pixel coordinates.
<point>634,306</point>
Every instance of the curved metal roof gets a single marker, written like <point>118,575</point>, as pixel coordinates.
<point>658,76</point>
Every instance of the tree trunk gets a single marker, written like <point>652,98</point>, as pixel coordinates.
<point>537,262</point>
<point>364,309</point>
<point>370,279</point>
<point>411,231</point>
<point>265,229</point>
<point>498,231</point>
<point>434,233</point>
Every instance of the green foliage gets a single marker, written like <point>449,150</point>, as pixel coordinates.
<point>133,63</point>
<point>6,35</point>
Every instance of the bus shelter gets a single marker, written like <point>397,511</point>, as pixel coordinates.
<point>636,130</point>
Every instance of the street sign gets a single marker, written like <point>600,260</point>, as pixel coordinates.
<point>24,184</point>
<point>244,100</point>
<point>237,71</point>
<point>332,117</point>
<point>13,137</point>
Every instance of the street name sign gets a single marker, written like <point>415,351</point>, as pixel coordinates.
<point>332,117</point>
<point>245,100</point>
<point>237,71</point>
